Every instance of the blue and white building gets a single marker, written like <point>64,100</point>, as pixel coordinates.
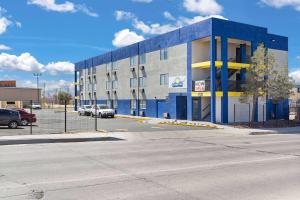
<point>193,73</point>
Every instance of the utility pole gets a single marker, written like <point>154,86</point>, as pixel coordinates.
<point>37,75</point>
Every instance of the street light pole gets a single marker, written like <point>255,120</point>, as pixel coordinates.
<point>37,75</point>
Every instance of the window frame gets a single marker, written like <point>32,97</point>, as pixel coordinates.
<point>165,78</point>
<point>143,59</point>
<point>164,54</point>
<point>133,104</point>
<point>143,78</point>
<point>134,83</point>
<point>143,104</point>
<point>132,61</point>
<point>108,85</point>
<point>114,84</point>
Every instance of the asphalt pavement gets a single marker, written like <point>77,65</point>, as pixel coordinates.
<point>167,165</point>
<point>53,122</point>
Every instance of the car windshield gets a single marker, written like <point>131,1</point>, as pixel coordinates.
<point>88,106</point>
<point>103,107</point>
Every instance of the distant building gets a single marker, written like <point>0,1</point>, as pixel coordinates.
<point>193,73</point>
<point>17,97</point>
<point>295,97</point>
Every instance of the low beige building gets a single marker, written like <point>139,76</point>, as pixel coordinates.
<point>17,97</point>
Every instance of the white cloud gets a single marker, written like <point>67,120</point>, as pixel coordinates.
<point>169,16</point>
<point>142,1</point>
<point>26,62</point>
<point>67,6</point>
<point>52,86</point>
<point>204,7</point>
<point>298,57</point>
<point>157,28</point>
<point>54,67</point>
<point>282,3</point>
<point>126,37</point>
<point>4,23</point>
<point>123,15</point>
<point>3,47</point>
<point>296,76</point>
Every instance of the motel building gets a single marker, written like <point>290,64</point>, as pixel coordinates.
<point>192,73</point>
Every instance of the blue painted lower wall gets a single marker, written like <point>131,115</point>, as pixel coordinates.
<point>177,107</point>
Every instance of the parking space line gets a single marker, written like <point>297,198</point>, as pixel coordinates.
<point>157,127</point>
<point>122,130</point>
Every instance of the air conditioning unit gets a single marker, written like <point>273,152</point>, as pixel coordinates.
<point>115,91</point>
<point>132,69</point>
<point>142,67</point>
<point>107,92</point>
<point>115,73</point>
<point>132,90</point>
<point>142,113</point>
<point>142,90</point>
<point>132,112</point>
<point>107,73</point>
<point>166,115</point>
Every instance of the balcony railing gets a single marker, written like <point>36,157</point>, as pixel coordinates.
<point>204,86</point>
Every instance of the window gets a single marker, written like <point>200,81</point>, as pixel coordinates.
<point>89,71</point>
<point>142,81</point>
<point>143,58</point>
<point>143,104</point>
<point>95,79</point>
<point>164,79</point>
<point>132,61</point>
<point>114,84</point>
<point>94,70</point>
<point>95,87</point>
<point>164,54</point>
<point>115,65</point>
<point>107,86</point>
<point>108,67</point>
<point>132,82</point>
<point>108,103</point>
<point>115,103</point>
<point>133,103</point>
<point>80,73</point>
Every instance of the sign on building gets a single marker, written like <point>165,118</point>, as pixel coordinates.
<point>199,86</point>
<point>178,82</point>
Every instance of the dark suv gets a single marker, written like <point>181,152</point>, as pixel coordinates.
<point>9,118</point>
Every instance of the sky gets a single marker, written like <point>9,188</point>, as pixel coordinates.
<point>48,36</point>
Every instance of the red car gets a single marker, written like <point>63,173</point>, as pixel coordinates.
<point>26,117</point>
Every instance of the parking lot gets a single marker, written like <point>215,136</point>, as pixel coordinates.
<point>52,122</point>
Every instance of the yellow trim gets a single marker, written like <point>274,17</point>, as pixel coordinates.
<point>76,83</point>
<point>218,94</point>
<point>77,97</point>
<point>219,64</point>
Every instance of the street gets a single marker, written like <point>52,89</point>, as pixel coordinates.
<point>203,164</point>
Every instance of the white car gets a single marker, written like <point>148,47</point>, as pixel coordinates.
<point>102,111</point>
<point>36,106</point>
<point>84,110</point>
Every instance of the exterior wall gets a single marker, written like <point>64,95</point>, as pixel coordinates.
<point>281,58</point>
<point>242,110</point>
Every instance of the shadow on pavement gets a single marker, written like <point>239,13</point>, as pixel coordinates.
<point>64,140</point>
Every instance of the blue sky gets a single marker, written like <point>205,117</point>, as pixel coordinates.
<point>49,35</point>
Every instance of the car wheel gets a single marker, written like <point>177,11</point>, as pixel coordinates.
<point>24,122</point>
<point>100,115</point>
<point>79,113</point>
<point>13,125</point>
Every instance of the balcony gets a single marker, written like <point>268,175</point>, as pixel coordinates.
<point>219,64</point>
<point>202,88</point>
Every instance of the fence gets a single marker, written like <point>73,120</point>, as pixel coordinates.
<point>55,119</point>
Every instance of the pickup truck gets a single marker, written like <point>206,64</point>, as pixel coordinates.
<point>102,111</point>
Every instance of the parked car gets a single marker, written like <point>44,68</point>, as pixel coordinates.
<point>84,110</point>
<point>102,111</point>
<point>36,106</point>
<point>10,118</point>
<point>26,117</point>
